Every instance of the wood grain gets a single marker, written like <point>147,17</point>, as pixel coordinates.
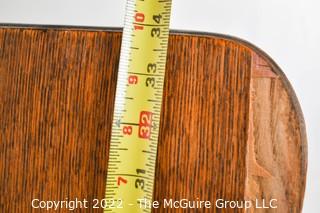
<point>231,126</point>
<point>277,142</point>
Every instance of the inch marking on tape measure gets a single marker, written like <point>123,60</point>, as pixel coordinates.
<point>136,118</point>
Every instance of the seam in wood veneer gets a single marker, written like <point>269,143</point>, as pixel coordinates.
<point>253,167</point>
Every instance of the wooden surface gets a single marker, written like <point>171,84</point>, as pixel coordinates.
<point>231,126</point>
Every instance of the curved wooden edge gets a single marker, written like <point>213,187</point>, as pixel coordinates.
<point>245,43</point>
<point>289,89</point>
<point>258,51</point>
<point>294,100</point>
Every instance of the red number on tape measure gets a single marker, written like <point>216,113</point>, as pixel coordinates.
<point>127,130</point>
<point>136,27</point>
<point>133,79</point>
<point>139,17</point>
<point>145,124</point>
<point>121,180</point>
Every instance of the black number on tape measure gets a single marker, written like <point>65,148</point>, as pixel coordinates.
<point>141,171</point>
<point>152,68</point>
<point>155,32</point>
<point>157,18</point>
<point>150,82</point>
<point>139,184</point>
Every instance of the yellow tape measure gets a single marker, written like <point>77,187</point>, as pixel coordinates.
<point>136,119</point>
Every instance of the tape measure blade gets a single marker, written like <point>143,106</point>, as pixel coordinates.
<point>136,119</point>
